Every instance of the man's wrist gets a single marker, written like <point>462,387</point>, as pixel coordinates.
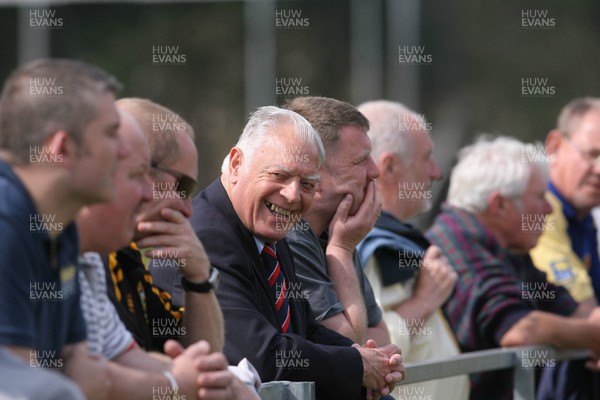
<point>339,249</point>
<point>196,271</point>
<point>172,382</point>
<point>197,278</point>
<point>208,285</point>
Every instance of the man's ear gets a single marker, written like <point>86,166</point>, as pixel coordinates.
<point>497,204</point>
<point>553,141</point>
<point>236,159</point>
<point>61,146</point>
<point>388,165</point>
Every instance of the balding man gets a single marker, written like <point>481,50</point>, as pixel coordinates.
<point>195,372</point>
<point>164,232</point>
<point>410,278</point>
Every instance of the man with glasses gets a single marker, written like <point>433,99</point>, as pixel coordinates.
<point>134,372</point>
<point>567,251</point>
<point>168,242</point>
<point>501,299</point>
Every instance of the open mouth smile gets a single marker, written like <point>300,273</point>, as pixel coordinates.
<point>278,210</point>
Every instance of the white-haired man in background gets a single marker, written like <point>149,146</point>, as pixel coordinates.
<point>501,299</point>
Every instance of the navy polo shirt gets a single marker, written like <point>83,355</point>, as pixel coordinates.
<point>39,290</point>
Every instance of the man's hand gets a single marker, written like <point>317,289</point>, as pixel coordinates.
<point>215,380</point>
<point>201,373</point>
<point>175,238</point>
<point>346,231</point>
<point>383,367</point>
<point>436,279</point>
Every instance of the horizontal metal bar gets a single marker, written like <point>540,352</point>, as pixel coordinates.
<point>480,361</point>
<point>465,363</point>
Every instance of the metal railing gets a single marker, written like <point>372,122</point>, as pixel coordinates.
<point>521,360</point>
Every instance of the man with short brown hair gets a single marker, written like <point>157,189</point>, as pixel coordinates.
<point>59,146</point>
<point>345,208</point>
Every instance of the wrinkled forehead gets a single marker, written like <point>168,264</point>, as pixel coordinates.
<point>289,155</point>
<point>306,171</point>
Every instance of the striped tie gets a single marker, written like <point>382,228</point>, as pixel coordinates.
<point>278,284</point>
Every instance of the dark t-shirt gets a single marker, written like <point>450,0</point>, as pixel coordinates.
<point>39,290</point>
<point>311,270</point>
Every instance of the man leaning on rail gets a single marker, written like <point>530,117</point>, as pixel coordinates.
<point>501,299</point>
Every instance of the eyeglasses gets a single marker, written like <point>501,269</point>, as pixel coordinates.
<point>185,184</point>
<point>590,158</point>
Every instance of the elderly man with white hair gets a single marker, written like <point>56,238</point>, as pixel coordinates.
<point>501,299</point>
<point>272,174</point>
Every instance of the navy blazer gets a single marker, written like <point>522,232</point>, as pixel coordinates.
<point>312,352</point>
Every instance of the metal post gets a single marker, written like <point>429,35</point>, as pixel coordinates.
<point>366,43</point>
<point>32,43</point>
<point>523,378</point>
<point>286,390</point>
<point>402,83</point>
<point>259,54</point>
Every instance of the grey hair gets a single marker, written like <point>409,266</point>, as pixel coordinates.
<point>502,164</point>
<point>385,130</point>
<point>264,121</point>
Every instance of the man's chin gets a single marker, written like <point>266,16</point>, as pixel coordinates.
<point>425,207</point>
<point>588,202</point>
<point>102,197</point>
<point>270,236</point>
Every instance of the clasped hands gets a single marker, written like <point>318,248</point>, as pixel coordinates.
<point>383,368</point>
